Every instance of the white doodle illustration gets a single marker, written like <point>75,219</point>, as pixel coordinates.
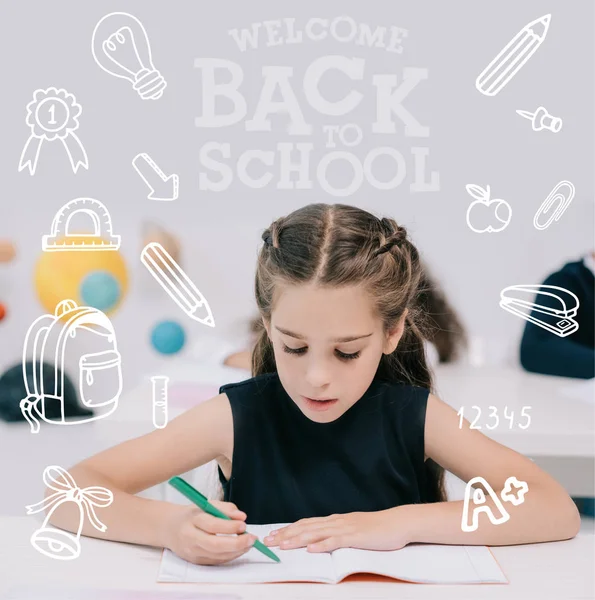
<point>477,498</point>
<point>162,187</point>
<point>176,283</point>
<point>517,496</point>
<point>513,56</point>
<point>557,202</point>
<point>47,341</point>
<point>59,543</point>
<point>53,115</point>
<point>487,215</point>
<point>548,306</point>
<point>120,46</point>
<point>61,238</point>
<point>541,119</point>
<point>160,400</point>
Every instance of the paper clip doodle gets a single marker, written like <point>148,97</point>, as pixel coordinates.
<point>561,196</point>
<point>58,543</point>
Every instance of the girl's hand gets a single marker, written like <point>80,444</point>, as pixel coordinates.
<point>379,530</point>
<point>192,534</point>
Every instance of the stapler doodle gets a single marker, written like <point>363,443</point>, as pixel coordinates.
<point>547,306</point>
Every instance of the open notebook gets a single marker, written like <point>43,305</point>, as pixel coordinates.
<point>421,563</point>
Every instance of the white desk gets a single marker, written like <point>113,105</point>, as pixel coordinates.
<point>560,425</point>
<point>544,571</point>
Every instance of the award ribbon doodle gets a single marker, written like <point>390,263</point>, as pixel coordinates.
<point>53,115</point>
<point>57,543</point>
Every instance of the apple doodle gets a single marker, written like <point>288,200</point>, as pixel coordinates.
<point>486,215</point>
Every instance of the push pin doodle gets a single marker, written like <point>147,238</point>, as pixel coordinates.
<point>541,119</point>
<point>57,543</point>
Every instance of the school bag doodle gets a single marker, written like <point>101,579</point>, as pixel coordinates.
<point>51,340</point>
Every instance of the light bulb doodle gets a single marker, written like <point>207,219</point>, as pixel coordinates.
<point>120,46</point>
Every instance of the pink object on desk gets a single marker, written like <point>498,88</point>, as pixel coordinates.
<point>187,395</point>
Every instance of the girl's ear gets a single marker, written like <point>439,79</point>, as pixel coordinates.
<point>395,334</point>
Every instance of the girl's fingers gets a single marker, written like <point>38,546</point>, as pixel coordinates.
<point>229,508</point>
<point>311,537</point>
<point>314,529</point>
<point>218,558</point>
<point>211,524</point>
<point>309,524</point>
<point>220,545</point>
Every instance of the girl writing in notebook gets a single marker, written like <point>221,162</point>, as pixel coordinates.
<point>338,432</point>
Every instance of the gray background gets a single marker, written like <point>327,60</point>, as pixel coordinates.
<point>473,139</point>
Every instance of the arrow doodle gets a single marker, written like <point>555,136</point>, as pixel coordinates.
<point>162,187</point>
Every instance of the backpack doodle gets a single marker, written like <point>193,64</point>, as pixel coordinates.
<point>49,340</point>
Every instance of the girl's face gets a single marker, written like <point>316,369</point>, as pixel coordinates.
<point>327,343</point>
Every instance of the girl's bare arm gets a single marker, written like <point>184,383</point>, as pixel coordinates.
<point>546,514</point>
<point>192,439</point>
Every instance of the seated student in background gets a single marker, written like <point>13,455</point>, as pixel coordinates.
<point>572,356</point>
<point>445,336</point>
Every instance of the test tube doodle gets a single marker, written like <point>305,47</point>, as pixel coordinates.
<point>160,400</point>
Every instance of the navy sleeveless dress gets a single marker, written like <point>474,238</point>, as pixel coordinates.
<point>286,467</point>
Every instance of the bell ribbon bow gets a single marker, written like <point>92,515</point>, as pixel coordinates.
<point>57,478</point>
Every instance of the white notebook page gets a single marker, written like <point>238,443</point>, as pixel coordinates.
<point>423,563</point>
<point>253,567</point>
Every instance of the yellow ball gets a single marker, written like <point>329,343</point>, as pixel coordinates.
<point>80,275</point>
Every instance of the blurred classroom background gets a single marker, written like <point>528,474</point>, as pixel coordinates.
<point>472,140</point>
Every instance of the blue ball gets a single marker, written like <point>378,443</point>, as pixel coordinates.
<point>100,289</point>
<point>168,337</point>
